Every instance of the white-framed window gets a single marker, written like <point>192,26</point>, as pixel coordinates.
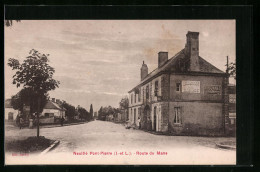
<point>143,94</point>
<point>139,95</point>
<point>134,115</point>
<point>156,88</point>
<point>177,115</point>
<point>147,92</point>
<point>178,87</point>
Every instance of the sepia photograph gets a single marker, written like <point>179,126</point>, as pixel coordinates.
<point>120,92</point>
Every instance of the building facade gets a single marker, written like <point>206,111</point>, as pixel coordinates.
<point>231,122</point>
<point>10,113</point>
<point>185,95</point>
<point>52,112</point>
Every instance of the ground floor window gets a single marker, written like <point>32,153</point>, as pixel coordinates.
<point>177,115</point>
<point>233,121</point>
<point>131,118</point>
<point>139,112</point>
<point>134,115</point>
<point>49,115</point>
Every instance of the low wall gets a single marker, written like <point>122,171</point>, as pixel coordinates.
<point>47,120</point>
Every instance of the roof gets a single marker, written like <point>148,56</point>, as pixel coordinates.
<point>8,103</point>
<point>49,105</point>
<point>180,63</point>
<point>52,105</point>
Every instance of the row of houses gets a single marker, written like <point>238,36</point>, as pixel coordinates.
<point>184,95</point>
<point>120,117</point>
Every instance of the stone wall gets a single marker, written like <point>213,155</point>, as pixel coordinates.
<point>165,86</point>
<point>164,116</point>
<point>206,82</point>
<point>197,118</point>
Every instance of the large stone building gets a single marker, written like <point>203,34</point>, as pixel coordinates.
<point>185,95</point>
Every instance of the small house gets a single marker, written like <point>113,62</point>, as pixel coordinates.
<point>52,112</point>
<point>10,112</point>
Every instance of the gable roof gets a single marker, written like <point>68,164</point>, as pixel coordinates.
<point>180,63</point>
<point>52,105</point>
<point>48,105</point>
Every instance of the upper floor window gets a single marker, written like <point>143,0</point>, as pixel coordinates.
<point>139,95</point>
<point>147,92</point>
<point>178,86</point>
<point>143,94</point>
<point>131,98</point>
<point>135,98</point>
<point>156,88</point>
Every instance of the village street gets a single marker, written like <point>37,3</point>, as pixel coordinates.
<point>103,136</point>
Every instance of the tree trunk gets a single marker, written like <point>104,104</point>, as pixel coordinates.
<point>38,120</point>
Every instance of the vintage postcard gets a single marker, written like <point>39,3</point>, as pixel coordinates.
<point>120,92</point>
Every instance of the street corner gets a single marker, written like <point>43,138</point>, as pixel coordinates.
<point>51,147</point>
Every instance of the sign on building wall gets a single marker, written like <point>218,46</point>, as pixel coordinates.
<point>232,98</point>
<point>191,86</point>
<point>212,89</point>
<point>232,115</point>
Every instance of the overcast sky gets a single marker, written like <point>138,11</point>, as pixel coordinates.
<point>99,61</point>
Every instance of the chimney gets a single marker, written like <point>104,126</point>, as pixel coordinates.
<point>57,101</point>
<point>144,71</point>
<point>53,100</point>
<point>162,58</point>
<point>192,50</point>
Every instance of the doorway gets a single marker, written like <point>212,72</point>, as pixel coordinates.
<point>146,118</point>
<point>154,118</point>
<point>10,116</point>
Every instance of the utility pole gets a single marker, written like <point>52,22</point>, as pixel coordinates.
<point>226,98</point>
<point>227,66</point>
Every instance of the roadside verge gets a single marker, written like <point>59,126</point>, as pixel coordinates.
<point>225,146</point>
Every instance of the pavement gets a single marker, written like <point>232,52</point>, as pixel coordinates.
<point>103,136</point>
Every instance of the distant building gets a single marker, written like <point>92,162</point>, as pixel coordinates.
<point>121,117</point>
<point>110,117</point>
<point>95,115</point>
<point>185,95</point>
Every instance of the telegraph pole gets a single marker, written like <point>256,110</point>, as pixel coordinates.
<point>227,66</point>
